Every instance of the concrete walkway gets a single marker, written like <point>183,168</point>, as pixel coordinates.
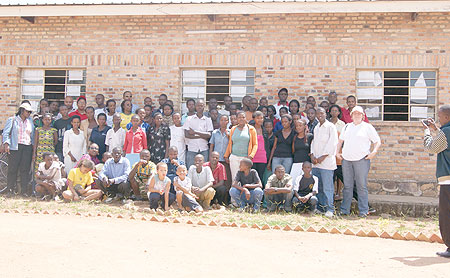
<point>68,246</point>
<point>397,205</point>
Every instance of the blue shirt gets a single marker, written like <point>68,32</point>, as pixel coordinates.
<point>220,141</point>
<point>144,126</point>
<point>118,171</point>
<point>171,168</point>
<point>98,137</point>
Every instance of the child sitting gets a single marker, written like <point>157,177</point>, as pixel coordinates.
<point>141,172</point>
<point>48,177</point>
<point>159,188</point>
<point>79,183</point>
<point>305,189</point>
<point>183,185</point>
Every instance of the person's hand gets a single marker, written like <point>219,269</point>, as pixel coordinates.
<point>76,197</point>
<point>304,199</point>
<point>73,158</point>
<point>227,160</point>
<point>175,162</point>
<point>247,194</point>
<point>321,159</point>
<point>268,190</point>
<point>161,192</point>
<point>142,162</point>
<point>110,181</point>
<point>249,157</point>
<point>6,148</point>
<point>269,168</point>
<point>201,190</point>
<point>432,124</point>
<point>191,131</point>
<point>371,155</point>
<point>339,156</point>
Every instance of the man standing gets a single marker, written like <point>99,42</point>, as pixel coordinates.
<point>127,95</point>
<point>345,116</point>
<point>282,96</point>
<point>227,101</point>
<point>323,151</point>
<point>212,105</point>
<point>197,131</point>
<point>440,144</point>
<point>100,101</point>
<point>253,105</point>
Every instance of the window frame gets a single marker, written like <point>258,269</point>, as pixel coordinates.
<point>382,104</point>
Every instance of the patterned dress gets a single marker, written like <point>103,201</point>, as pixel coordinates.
<point>156,141</point>
<point>45,144</point>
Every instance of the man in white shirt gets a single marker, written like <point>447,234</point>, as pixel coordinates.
<point>101,106</point>
<point>323,152</point>
<point>115,137</point>
<point>282,96</point>
<point>358,137</point>
<point>197,131</point>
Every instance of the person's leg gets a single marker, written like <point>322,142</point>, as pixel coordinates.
<point>339,180</point>
<point>362,168</point>
<point>205,155</point>
<point>40,189</point>
<point>270,200</point>
<point>24,169</point>
<point>13,169</point>
<point>67,195</point>
<point>190,203</point>
<point>296,171</point>
<point>206,197</point>
<point>260,168</point>
<point>349,180</point>
<point>328,188</point>
<point>255,198</point>
<point>124,188</point>
<point>235,195</point>
<point>287,163</point>
<point>171,199</point>
<point>93,194</point>
<point>234,165</point>
<point>190,158</point>
<point>153,199</point>
<point>444,214</point>
<point>221,195</point>
<point>228,181</point>
<point>312,202</point>
<point>288,201</point>
<point>135,187</point>
<point>179,198</point>
<point>275,162</point>
<point>320,195</point>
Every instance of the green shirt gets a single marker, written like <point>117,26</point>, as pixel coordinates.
<point>240,140</point>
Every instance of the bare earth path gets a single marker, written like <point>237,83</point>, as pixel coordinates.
<point>70,246</point>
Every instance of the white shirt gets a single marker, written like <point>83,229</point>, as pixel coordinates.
<point>186,183</point>
<point>54,172</point>
<point>177,139</point>
<point>224,112</point>
<point>278,105</point>
<point>357,140</point>
<point>200,179</point>
<point>203,124</point>
<point>325,143</point>
<point>115,139</point>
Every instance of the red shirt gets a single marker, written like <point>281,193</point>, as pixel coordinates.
<point>137,140</point>
<point>218,173</point>
<point>76,112</point>
<point>346,118</point>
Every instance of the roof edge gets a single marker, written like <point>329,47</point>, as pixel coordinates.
<point>227,8</point>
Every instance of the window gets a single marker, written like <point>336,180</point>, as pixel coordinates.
<point>396,95</point>
<point>53,84</point>
<point>217,83</point>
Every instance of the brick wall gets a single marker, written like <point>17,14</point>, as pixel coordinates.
<point>309,54</point>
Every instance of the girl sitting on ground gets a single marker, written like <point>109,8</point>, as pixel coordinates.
<point>79,183</point>
<point>48,177</point>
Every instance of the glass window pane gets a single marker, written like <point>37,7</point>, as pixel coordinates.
<point>55,80</point>
<point>395,91</point>
<point>55,73</point>
<point>194,77</point>
<point>247,81</point>
<point>396,74</point>
<point>217,90</point>
<point>426,74</point>
<point>396,82</point>
<point>373,112</point>
<point>217,81</point>
<point>428,82</point>
<point>422,112</point>
<point>217,73</point>
<point>55,88</point>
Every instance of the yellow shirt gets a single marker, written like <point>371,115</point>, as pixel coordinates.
<point>77,177</point>
<point>125,120</point>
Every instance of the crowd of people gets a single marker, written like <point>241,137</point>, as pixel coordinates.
<point>287,156</point>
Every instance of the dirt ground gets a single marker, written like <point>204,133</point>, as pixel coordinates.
<point>71,246</point>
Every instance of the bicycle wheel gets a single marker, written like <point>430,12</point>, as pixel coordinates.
<point>3,171</point>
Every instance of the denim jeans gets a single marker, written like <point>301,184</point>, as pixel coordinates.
<point>191,155</point>
<point>326,189</point>
<point>355,172</point>
<point>238,198</point>
<point>285,161</point>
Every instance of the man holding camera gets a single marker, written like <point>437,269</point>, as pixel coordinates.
<point>440,144</point>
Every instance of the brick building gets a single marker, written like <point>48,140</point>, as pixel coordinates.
<point>392,54</point>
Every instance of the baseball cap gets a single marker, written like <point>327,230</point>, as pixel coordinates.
<point>26,106</point>
<point>358,109</point>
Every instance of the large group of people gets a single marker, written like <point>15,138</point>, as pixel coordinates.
<point>287,156</point>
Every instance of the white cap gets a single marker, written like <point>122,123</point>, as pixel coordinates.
<point>26,106</point>
<point>357,109</point>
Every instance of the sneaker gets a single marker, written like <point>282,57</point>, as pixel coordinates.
<point>329,214</point>
<point>363,215</point>
<point>372,210</point>
<point>445,254</point>
<point>118,197</point>
<point>316,211</point>
<point>109,200</point>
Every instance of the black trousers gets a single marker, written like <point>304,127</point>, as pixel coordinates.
<point>260,168</point>
<point>19,162</point>
<point>221,196</point>
<point>444,214</point>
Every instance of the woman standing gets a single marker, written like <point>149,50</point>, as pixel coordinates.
<point>45,140</point>
<point>282,146</point>
<point>18,138</point>
<point>126,114</point>
<point>243,143</point>
<point>263,151</point>
<point>81,110</point>
<point>87,125</point>
<point>271,113</point>
<point>43,108</point>
<point>167,117</point>
<point>358,137</point>
<point>335,115</point>
<point>74,144</point>
<point>294,107</point>
<point>158,138</point>
<point>110,111</point>
<point>98,135</point>
<point>135,141</point>
<point>301,148</point>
